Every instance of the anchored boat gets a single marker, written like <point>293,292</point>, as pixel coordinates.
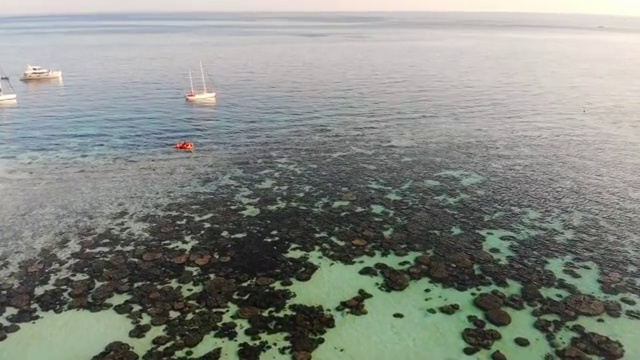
<point>205,95</point>
<point>6,97</point>
<point>38,73</point>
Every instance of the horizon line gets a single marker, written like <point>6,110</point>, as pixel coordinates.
<point>41,15</point>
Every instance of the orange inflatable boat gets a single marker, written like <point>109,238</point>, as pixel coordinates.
<point>183,145</point>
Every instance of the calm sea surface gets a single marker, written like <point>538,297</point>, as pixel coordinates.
<point>536,118</point>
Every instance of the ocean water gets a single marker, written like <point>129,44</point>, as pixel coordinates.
<point>424,134</point>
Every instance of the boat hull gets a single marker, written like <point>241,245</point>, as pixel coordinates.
<point>201,97</point>
<point>8,98</point>
<point>48,76</point>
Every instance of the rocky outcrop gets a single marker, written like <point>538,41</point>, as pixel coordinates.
<point>117,350</point>
<point>248,312</point>
<point>498,355</point>
<point>585,304</point>
<point>599,345</point>
<point>480,337</point>
<point>488,302</point>
<point>498,317</point>
<point>218,292</point>
<point>395,280</point>
<point>449,309</point>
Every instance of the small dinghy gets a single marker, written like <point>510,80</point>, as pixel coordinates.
<point>183,145</point>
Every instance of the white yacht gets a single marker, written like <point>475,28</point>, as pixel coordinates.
<point>5,97</point>
<point>205,95</point>
<point>38,73</point>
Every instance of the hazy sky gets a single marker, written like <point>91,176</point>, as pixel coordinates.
<point>621,7</point>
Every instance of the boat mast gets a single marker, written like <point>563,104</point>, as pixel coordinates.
<point>191,82</point>
<point>204,83</point>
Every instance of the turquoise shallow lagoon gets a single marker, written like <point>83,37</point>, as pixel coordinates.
<point>409,319</point>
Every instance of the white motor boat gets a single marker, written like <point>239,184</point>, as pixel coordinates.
<point>5,97</point>
<point>38,73</point>
<point>205,95</point>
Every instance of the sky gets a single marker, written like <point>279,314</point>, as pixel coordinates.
<point>27,7</point>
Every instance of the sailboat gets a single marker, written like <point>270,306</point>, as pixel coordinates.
<point>6,98</point>
<point>205,95</point>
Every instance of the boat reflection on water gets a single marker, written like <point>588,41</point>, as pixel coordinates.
<point>8,103</point>
<point>37,85</point>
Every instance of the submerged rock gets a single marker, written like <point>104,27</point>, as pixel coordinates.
<point>480,337</point>
<point>117,351</point>
<point>186,278</point>
<point>11,328</point>
<point>488,302</point>
<point>193,339</point>
<point>498,317</point>
<point>531,293</point>
<point>438,271</point>
<point>202,259</point>
<point>628,301</point>
<point>514,302</point>
<point>632,314</point>
<point>449,309</point>
<point>572,353</point>
<point>356,304</point>
<point>301,355</point>
<point>613,309</point>
<point>610,279</point>
<point>20,301</point>
<point>161,340</point>
<point>497,355</point>
<point>215,354</point>
<point>599,345</point>
<point>368,271</point>
<point>152,256</point>
<point>461,260</point>
<point>395,279</point>
<point>123,308</point>
<point>585,304</point>
<point>248,312</point>
<point>180,259</point>
<point>470,350</point>
<point>359,242</point>
<point>264,281</point>
<point>218,292</point>
<point>543,325</point>
<point>139,331</point>
<point>423,260</point>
